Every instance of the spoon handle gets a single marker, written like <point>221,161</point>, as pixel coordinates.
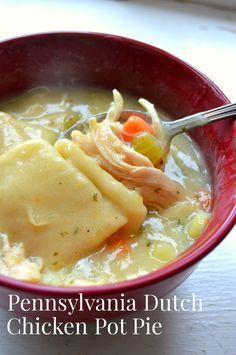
<point>199,119</point>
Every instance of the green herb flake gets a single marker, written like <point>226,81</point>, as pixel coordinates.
<point>63,234</point>
<point>55,263</point>
<point>55,253</point>
<point>179,221</point>
<point>148,244</point>
<point>95,197</point>
<point>76,230</point>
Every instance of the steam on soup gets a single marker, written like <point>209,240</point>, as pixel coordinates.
<point>102,206</point>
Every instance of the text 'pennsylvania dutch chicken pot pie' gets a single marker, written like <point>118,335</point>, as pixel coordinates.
<point>104,206</point>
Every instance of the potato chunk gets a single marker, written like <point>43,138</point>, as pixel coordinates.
<point>197,224</point>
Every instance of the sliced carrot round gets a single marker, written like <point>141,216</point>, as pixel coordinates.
<point>134,126</point>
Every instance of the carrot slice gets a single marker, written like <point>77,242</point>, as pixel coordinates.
<point>118,243</point>
<point>134,126</point>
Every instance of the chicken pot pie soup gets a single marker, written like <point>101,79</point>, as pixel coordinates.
<point>109,204</point>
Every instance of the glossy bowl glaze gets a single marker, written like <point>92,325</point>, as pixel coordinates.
<point>176,88</point>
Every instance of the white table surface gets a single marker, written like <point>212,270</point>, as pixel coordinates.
<point>206,38</point>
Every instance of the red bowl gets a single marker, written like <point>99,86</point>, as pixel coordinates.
<point>176,88</point>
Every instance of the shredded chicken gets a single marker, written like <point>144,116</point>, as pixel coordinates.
<point>116,107</point>
<point>103,142</point>
<point>13,262</point>
<point>156,123</point>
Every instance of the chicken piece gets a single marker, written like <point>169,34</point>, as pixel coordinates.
<point>156,124</point>
<point>104,143</point>
<point>133,169</point>
<point>116,107</point>
<point>13,262</point>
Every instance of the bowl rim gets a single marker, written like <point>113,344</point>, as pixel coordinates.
<point>176,266</point>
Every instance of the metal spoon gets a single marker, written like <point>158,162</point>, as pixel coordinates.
<point>171,128</point>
